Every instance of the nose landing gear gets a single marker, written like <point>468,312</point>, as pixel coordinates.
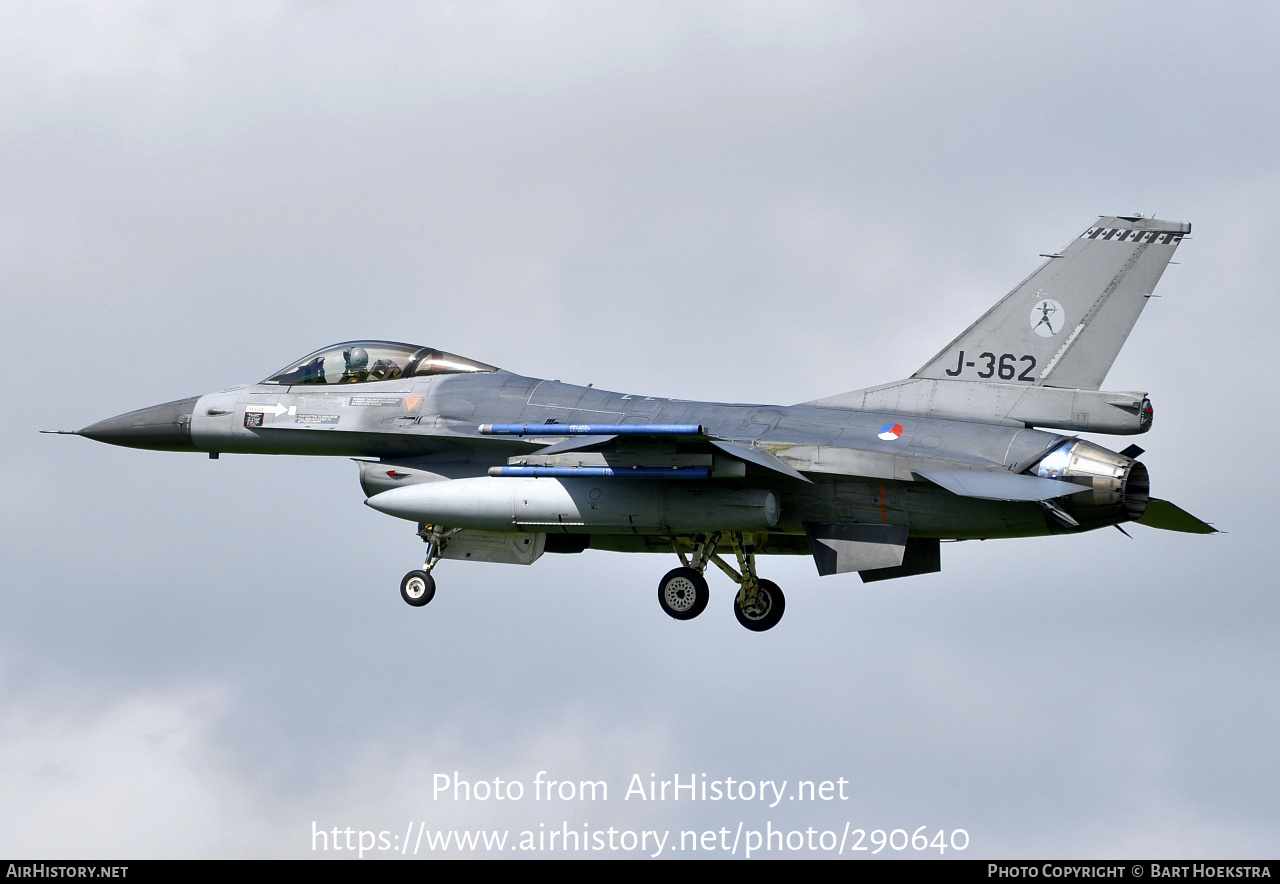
<point>419,587</point>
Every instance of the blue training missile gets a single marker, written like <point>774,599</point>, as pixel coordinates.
<point>592,430</point>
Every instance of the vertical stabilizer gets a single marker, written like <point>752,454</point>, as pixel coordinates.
<point>1064,325</point>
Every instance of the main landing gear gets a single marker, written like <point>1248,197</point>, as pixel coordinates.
<point>419,587</point>
<point>683,594</point>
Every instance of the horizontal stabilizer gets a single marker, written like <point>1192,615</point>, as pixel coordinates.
<point>842,548</point>
<point>1169,517</point>
<point>993,485</point>
<point>760,458</point>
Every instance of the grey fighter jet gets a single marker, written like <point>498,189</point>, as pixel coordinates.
<point>495,467</point>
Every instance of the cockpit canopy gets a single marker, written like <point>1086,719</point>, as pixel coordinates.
<point>360,362</point>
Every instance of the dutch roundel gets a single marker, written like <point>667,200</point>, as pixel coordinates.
<point>889,432</point>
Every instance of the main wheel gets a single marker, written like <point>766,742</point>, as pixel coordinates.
<point>417,588</point>
<point>765,612</point>
<point>683,593</point>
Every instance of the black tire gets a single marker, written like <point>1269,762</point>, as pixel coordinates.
<point>767,610</point>
<point>683,593</point>
<point>417,588</point>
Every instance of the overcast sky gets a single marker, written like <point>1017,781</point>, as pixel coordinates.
<point>742,202</point>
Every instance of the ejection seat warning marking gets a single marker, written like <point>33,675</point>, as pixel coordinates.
<point>377,401</point>
<point>316,419</point>
<point>253,418</point>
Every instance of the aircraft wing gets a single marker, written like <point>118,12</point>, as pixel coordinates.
<point>633,451</point>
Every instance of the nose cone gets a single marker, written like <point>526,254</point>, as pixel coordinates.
<point>161,427</point>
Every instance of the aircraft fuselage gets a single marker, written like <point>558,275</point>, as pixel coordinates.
<point>432,424</point>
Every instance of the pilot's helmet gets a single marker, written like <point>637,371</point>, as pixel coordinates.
<point>357,359</point>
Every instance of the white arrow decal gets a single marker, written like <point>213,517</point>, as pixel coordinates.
<point>276,409</point>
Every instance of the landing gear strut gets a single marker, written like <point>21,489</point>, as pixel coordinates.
<point>682,593</point>
<point>419,587</point>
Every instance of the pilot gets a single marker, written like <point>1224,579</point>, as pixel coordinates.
<point>357,370</point>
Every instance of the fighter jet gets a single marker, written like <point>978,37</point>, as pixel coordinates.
<point>493,466</point>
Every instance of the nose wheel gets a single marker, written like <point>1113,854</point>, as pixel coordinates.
<point>417,588</point>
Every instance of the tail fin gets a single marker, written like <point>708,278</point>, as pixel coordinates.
<point>1064,325</point>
